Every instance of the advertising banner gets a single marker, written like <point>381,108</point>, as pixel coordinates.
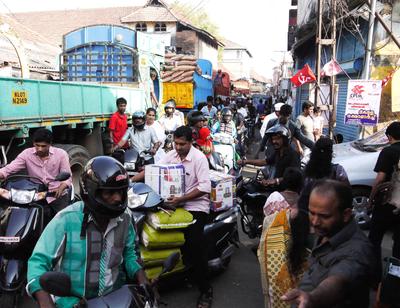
<point>363,102</point>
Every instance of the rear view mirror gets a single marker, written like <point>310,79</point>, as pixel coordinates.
<point>170,263</point>
<point>56,283</point>
<point>62,176</point>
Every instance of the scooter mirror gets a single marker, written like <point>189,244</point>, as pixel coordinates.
<point>62,176</point>
<point>56,283</point>
<point>170,263</point>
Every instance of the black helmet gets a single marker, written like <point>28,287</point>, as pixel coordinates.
<point>104,172</point>
<point>194,117</point>
<point>278,129</point>
<point>138,115</point>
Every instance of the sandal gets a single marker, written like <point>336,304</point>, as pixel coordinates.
<point>205,299</point>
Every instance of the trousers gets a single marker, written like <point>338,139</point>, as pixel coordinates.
<point>195,251</point>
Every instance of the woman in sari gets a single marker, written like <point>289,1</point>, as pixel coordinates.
<point>282,251</point>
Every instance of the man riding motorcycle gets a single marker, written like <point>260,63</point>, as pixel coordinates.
<point>282,157</point>
<point>44,162</point>
<point>92,241</point>
<point>226,125</point>
<point>171,120</point>
<point>143,138</point>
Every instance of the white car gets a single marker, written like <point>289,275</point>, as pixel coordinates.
<point>358,159</point>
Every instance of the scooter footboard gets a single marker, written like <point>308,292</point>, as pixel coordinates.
<point>12,274</point>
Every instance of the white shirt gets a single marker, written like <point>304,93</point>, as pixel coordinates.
<point>268,118</point>
<point>171,123</point>
<point>243,111</point>
<point>209,113</point>
<point>318,123</point>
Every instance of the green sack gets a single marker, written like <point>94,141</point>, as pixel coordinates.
<point>153,258</point>
<point>153,239</point>
<point>153,272</point>
<point>178,219</point>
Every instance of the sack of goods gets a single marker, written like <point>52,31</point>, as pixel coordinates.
<point>153,272</point>
<point>152,258</point>
<point>223,191</point>
<point>167,220</point>
<point>153,239</point>
<point>166,180</point>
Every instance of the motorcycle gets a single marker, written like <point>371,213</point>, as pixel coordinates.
<point>131,159</point>
<point>224,144</point>
<point>250,130</point>
<point>21,224</point>
<point>251,197</point>
<point>169,141</point>
<point>220,232</point>
<point>129,295</point>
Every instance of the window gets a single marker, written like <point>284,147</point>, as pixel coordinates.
<point>160,27</point>
<point>141,27</point>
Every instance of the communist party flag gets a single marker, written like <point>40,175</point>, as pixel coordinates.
<point>305,75</point>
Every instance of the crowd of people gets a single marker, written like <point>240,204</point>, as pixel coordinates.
<point>311,251</point>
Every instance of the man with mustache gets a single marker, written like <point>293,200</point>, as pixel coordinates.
<point>281,158</point>
<point>44,162</point>
<point>342,263</point>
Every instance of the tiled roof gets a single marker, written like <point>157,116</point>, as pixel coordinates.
<point>150,13</point>
<point>39,52</point>
<point>54,24</point>
<point>232,45</point>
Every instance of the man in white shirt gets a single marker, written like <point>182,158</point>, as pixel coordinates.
<point>306,124</point>
<point>171,120</point>
<point>209,110</point>
<point>271,116</point>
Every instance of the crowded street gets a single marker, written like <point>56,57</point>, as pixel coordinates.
<point>197,153</point>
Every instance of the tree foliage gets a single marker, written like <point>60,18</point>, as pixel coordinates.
<point>196,15</point>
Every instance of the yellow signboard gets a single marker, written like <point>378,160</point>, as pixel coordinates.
<point>19,97</point>
<point>396,91</point>
<point>181,92</point>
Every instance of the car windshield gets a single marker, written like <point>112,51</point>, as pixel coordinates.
<point>372,143</point>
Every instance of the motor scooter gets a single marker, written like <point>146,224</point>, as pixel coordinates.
<point>131,159</point>
<point>129,295</point>
<point>224,144</point>
<point>22,200</point>
<point>220,232</point>
<point>251,197</point>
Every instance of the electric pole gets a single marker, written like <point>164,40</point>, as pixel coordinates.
<point>320,42</point>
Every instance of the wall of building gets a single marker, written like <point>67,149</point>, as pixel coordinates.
<point>208,52</point>
<point>238,62</point>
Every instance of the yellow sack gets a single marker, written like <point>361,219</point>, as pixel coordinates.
<point>153,239</point>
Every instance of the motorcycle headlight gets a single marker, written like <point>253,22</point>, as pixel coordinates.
<point>22,196</point>
<point>129,166</point>
<point>135,200</point>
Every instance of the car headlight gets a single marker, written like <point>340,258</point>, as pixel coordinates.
<point>135,200</point>
<point>22,196</point>
<point>129,166</point>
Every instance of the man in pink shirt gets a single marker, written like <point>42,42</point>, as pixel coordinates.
<point>197,201</point>
<point>44,162</point>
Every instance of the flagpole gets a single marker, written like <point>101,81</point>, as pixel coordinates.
<point>332,101</point>
<point>318,52</point>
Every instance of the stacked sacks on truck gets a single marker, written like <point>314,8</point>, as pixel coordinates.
<point>163,235</point>
<point>179,68</point>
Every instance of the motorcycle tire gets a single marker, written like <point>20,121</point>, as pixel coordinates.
<point>8,300</point>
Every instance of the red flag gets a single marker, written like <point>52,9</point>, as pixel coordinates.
<point>305,75</point>
<point>331,68</point>
<point>388,77</point>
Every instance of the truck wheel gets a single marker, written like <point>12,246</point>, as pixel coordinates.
<point>94,143</point>
<point>78,157</point>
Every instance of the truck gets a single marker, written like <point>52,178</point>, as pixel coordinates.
<point>99,64</point>
<point>188,95</point>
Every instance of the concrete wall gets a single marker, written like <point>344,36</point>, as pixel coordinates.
<point>238,62</point>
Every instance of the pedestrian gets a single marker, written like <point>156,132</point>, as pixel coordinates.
<point>306,124</point>
<point>271,116</point>
<point>260,107</point>
<point>282,251</point>
<point>44,162</point>
<point>342,263</point>
<point>196,200</point>
<point>118,123</point>
<point>153,96</point>
<point>318,123</point>
<point>386,216</point>
<point>151,115</point>
<point>319,167</point>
